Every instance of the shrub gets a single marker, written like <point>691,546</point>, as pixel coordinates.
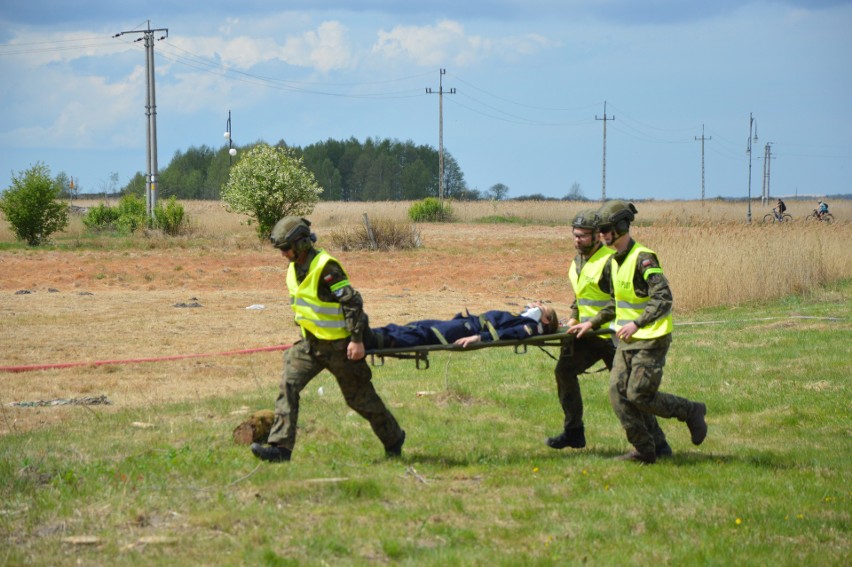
<point>430,210</point>
<point>171,219</point>
<point>31,205</point>
<point>387,234</point>
<point>132,214</point>
<point>101,218</point>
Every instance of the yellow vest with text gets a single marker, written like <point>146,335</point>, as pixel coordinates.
<point>629,306</point>
<point>589,296</point>
<point>322,319</point>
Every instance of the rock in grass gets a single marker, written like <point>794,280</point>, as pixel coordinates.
<point>255,429</point>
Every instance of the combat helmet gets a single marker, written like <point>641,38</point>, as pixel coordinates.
<point>616,215</point>
<point>587,219</point>
<point>292,233</point>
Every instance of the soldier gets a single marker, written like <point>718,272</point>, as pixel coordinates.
<point>330,314</point>
<point>593,307</point>
<point>643,325</point>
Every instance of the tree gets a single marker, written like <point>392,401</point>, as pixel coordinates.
<point>64,185</point>
<point>111,186</point>
<point>498,192</point>
<point>32,207</point>
<point>417,181</point>
<point>270,183</point>
<point>136,185</point>
<point>454,182</point>
<point>575,193</point>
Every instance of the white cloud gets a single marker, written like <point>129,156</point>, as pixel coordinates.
<point>328,48</point>
<point>446,43</point>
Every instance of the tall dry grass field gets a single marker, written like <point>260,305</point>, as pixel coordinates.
<point>212,220</point>
<point>710,254</point>
<point>559,212</point>
<point>731,264</point>
<point>709,258</point>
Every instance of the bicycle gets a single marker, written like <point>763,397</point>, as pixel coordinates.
<point>827,218</point>
<point>775,217</point>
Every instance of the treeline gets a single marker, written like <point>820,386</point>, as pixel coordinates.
<point>347,170</point>
<point>375,170</point>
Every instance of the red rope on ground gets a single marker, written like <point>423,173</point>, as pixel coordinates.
<point>139,360</point>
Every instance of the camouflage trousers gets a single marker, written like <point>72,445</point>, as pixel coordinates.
<point>577,356</point>
<point>635,396</point>
<point>302,362</point>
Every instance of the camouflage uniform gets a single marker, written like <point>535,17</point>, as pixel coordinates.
<point>309,356</point>
<point>638,364</point>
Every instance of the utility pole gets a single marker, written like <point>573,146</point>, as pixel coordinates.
<point>752,127</point>
<point>441,132</point>
<point>767,157</point>
<point>702,138</point>
<point>150,112</point>
<point>603,181</point>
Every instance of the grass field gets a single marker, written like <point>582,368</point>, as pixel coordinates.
<point>476,486</point>
<point>155,477</point>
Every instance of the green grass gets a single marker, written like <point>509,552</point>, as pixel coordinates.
<point>476,485</point>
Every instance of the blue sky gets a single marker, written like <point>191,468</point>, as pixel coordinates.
<point>530,76</point>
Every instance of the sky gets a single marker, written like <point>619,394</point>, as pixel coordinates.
<point>526,87</point>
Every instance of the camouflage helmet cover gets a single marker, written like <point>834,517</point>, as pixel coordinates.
<point>616,210</point>
<point>290,230</point>
<point>587,219</point>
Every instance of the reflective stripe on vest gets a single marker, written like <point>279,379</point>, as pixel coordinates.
<point>322,319</point>
<point>590,298</point>
<point>629,306</point>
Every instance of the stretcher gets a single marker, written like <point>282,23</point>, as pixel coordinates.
<point>420,354</point>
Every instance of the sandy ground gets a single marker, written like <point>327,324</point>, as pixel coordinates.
<point>117,305</point>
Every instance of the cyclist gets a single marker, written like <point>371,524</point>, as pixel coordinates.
<point>779,210</point>
<point>822,209</point>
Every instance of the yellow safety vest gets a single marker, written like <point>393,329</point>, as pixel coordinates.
<point>629,306</point>
<point>590,298</point>
<point>322,319</point>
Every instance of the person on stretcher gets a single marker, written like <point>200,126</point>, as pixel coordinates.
<point>465,329</point>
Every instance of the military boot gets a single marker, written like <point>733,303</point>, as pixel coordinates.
<point>696,424</point>
<point>663,450</point>
<point>271,453</point>
<point>395,450</point>
<point>574,438</point>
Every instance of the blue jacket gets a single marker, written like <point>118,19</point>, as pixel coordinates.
<point>419,333</point>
